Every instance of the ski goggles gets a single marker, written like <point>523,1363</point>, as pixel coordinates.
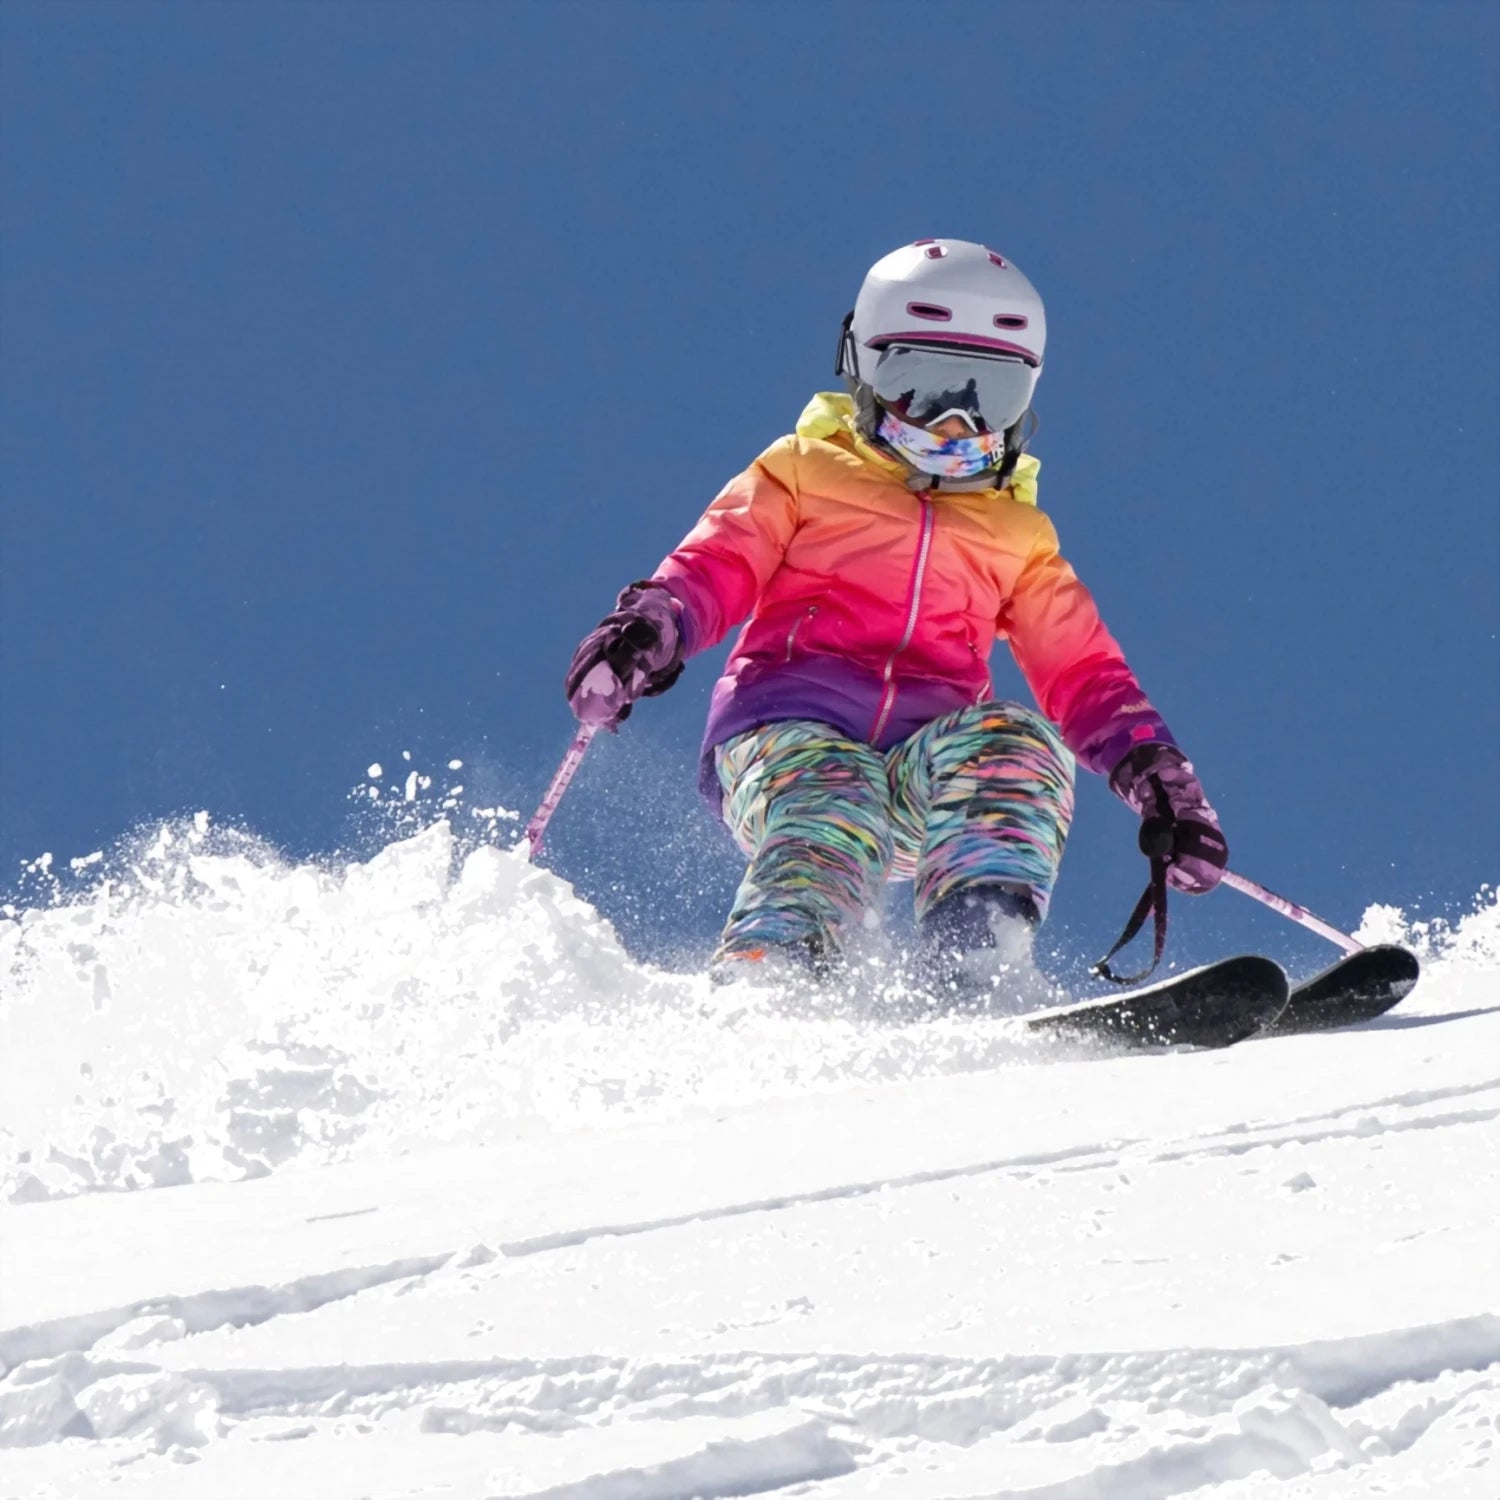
<point>945,458</point>
<point>923,385</point>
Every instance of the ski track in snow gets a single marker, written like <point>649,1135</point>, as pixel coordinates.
<point>467,1203</point>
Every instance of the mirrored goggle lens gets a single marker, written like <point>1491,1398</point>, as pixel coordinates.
<point>922,385</point>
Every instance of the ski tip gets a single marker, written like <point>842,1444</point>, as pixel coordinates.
<point>1395,969</point>
<point>1399,969</point>
<point>1400,963</point>
<point>1258,970</point>
<point>1359,987</point>
<point>1213,1006</point>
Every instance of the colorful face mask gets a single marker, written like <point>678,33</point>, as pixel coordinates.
<point>946,458</point>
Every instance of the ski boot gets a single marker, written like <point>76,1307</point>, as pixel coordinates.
<point>749,979</point>
<point>799,960</point>
<point>974,951</point>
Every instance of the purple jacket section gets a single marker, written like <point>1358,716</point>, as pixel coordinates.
<point>832,690</point>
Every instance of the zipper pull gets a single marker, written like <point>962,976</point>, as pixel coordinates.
<point>791,635</point>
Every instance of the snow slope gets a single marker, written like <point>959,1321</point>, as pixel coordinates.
<point>465,1202</point>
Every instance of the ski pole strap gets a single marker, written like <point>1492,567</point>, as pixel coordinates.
<point>1158,837</point>
<point>1153,902</point>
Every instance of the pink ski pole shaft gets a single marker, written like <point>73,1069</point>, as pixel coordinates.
<point>570,763</point>
<point>1298,914</point>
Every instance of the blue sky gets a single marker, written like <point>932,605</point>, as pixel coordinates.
<point>355,355</point>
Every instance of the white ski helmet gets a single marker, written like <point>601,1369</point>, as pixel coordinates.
<point>945,321</point>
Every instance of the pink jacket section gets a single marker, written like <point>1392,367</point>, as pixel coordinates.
<point>874,608</point>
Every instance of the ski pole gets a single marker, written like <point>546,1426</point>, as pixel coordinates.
<point>570,763</point>
<point>1298,914</point>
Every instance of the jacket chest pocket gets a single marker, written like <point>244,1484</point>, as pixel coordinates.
<point>797,624</point>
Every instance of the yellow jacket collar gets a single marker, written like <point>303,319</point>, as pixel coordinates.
<point>830,416</point>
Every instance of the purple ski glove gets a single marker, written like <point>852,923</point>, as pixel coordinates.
<point>636,652</point>
<point>1158,782</point>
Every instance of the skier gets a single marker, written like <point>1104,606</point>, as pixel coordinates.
<point>877,552</point>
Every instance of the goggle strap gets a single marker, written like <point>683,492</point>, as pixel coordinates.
<point>842,363</point>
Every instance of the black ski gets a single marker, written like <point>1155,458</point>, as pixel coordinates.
<point>1215,1006</point>
<point>1359,987</point>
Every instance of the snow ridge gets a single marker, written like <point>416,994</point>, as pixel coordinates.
<point>464,1201</point>
<point>748,1423</point>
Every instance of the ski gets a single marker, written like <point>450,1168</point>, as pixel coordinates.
<point>1359,987</point>
<point>1214,1006</point>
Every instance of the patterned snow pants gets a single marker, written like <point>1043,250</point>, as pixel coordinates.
<point>980,797</point>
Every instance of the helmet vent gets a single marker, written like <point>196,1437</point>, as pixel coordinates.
<point>999,260</point>
<point>935,251</point>
<point>931,311</point>
<point>1011,320</point>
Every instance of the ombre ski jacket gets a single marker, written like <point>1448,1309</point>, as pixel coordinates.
<point>873,608</point>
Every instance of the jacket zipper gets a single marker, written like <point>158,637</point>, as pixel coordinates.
<point>888,696</point>
<point>791,635</point>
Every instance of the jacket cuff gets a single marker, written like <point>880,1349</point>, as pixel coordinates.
<point>1105,752</point>
<point>686,631</point>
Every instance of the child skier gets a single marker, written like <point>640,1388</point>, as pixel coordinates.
<point>878,552</point>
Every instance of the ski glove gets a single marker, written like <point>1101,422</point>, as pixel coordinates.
<point>1177,824</point>
<point>635,652</point>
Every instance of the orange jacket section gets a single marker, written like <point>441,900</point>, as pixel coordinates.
<point>816,545</point>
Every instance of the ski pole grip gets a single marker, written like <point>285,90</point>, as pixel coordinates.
<point>1156,838</point>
